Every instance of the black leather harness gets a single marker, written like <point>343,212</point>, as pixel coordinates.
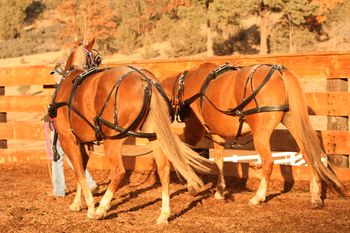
<point>99,121</point>
<point>183,106</point>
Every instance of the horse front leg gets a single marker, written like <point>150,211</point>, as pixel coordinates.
<point>113,151</point>
<point>76,204</point>
<point>193,133</point>
<point>79,159</point>
<point>219,161</point>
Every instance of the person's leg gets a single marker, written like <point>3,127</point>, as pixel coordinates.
<point>90,181</point>
<point>58,181</point>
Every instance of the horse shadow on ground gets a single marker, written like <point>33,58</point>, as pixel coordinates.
<point>234,185</point>
<point>126,197</point>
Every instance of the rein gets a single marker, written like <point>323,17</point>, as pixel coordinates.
<point>239,110</point>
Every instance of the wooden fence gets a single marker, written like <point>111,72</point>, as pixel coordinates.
<point>23,129</point>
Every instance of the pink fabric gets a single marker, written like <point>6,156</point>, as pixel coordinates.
<point>48,141</point>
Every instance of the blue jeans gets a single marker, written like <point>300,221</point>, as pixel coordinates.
<point>58,181</point>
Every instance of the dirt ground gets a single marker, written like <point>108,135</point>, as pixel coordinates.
<point>26,206</point>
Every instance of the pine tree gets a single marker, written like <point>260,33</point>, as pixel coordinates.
<point>224,17</point>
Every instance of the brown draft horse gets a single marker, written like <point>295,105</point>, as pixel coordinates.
<point>226,101</point>
<point>92,104</point>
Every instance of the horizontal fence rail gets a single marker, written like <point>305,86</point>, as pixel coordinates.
<point>312,67</point>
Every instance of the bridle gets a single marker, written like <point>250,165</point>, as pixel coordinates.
<point>93,59</point>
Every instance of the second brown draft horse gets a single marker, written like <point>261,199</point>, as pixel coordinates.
<point>108,105</point>
<point>227,101</point>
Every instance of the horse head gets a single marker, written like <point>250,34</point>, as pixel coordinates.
<point>80,57</point>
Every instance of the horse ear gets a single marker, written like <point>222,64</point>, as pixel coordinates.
<point>90,45</point>
<point>77,42</point>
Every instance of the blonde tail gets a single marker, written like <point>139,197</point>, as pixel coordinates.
<point>180,155</point>
<point>308,136</point>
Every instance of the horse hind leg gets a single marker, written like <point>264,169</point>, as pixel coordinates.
<point>163,168</point>
<point>261,138</point>
<point>113,150</point>
<point>218,159</point>
<point>316,201</point>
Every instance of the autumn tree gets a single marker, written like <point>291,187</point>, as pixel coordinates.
<point>100,22</point>
<point>67,16</point>
<point>86,19</point>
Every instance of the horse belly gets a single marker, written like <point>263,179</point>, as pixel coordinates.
<point>221,94</point>
<point>224,125</point>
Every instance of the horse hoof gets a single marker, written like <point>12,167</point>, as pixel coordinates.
<point>100,214</point>
<point>91,215</point>
<point>218,196</point>
<point>192,191</point>
<point>254,202</point>
<point>74,207</point>
<point>316,205</point>
<point>162,220</point>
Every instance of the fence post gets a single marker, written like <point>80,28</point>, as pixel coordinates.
<point>3,118</point>
<point>339,123</point>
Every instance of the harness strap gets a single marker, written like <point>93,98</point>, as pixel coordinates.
<point>238,110</point>
<point>246,101</point>
<point>56,156</point>
<point>128,131</point>
<point>212,75</point>
<point>98,120</point>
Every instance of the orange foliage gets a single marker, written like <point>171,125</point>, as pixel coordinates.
<point>88,19</point>
<point>326,5</point>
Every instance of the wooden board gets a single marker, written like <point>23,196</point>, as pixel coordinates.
<point>335,142</point>
<point>33,75</point>
<point>27,103</point>
<point>329,103</point>
<point>320,103</point>
<point>306,66</point>
<point>146,163</point>
<point>98,161</point>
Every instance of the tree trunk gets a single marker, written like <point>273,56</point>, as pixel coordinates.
<point>263,31</point>
<point>210,51</point>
